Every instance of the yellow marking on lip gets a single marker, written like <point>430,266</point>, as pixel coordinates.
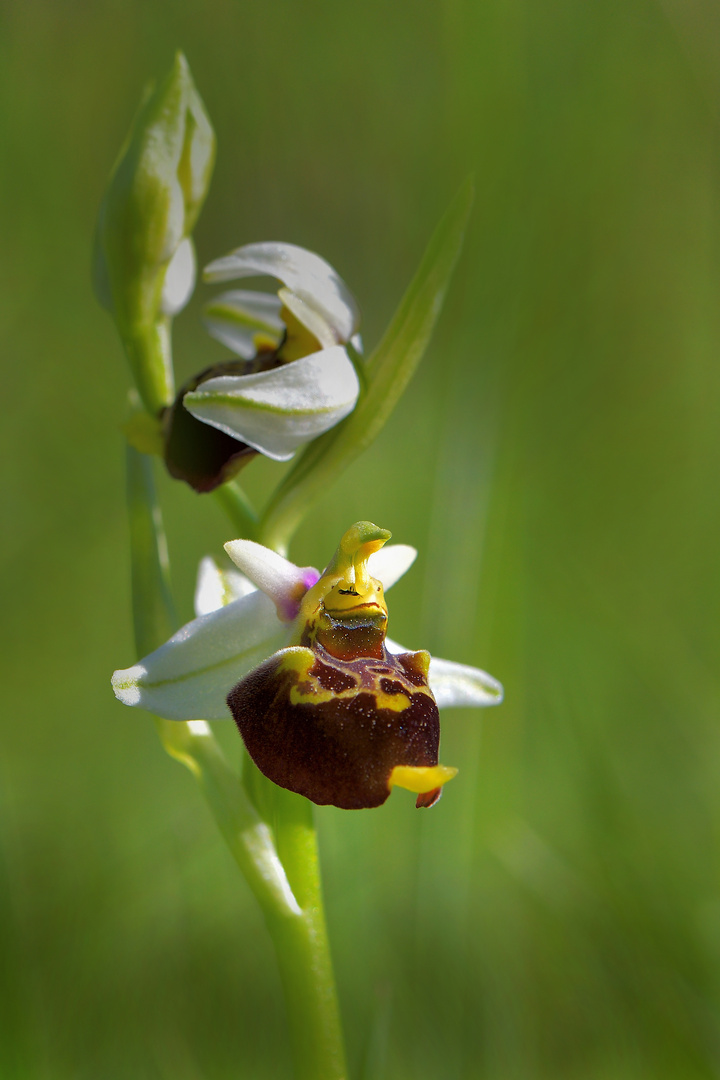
<point>299,661</point>
<point>396,703</point>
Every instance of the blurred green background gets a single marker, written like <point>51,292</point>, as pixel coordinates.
<point>555,462</point>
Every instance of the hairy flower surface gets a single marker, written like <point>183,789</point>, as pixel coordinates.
<point>327,705</point>
<point>293,379</point>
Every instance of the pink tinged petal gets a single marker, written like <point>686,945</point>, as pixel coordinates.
<point>191,675</point>
<point>216,587</point>
<point>455,685</point>
<point>306,274</point>
<point>390,563</point>
<point>277,411</point>
<point>281,580</point>
<point>179,279</point>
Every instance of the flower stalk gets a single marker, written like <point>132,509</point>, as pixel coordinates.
<point>278,856</point>
<point>302,946</point>
<point>238,508</point>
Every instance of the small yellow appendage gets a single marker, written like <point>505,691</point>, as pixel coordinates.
<point>421,778</point>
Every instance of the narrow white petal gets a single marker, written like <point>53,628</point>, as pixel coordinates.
<point>308,275</point>
<point>190,676</point>
<point>277,411</point>
<point>457,684</point>
<point>236,317</point>
<point>391,562</point>
<point>216,587</point>
<point>179,279</point>
<point>281,580</point>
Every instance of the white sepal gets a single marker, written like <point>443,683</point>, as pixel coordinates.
<point>179,279</point>
<point>191,674</point>
<point>277,411</point>
<point>281,580</point>
<point>215,587</point>
<point>235,318</point>
<point>390,563</point>
<point>457,684</point>
<point>308,276</point>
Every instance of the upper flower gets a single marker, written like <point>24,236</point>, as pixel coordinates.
<point>327,705</point>
<point>294,379</point>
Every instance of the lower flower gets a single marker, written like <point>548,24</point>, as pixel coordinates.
<point>334,710</point>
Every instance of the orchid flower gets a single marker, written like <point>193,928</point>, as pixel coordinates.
<point>293,379</point>
<point>327,705</point>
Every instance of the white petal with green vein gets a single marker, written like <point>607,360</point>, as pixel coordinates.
<point>277,411</point>
<point>459,684</point>
<point>191,674</point>
<point>236,317</point>
<point>302,271</point>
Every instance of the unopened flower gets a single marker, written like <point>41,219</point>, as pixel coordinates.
<point>292,380</point>
<point>327,705</point>
<point>144,269</point>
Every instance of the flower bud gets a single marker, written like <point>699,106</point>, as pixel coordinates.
<point>144,261</point>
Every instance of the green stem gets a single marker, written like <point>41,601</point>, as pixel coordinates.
<point>238,508</point>
<point>303,949</point>
<point>154,618</point>
<point>149,352</point>
<point>283,872</point>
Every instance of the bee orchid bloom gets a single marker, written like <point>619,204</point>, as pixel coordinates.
<point>326,704</point>
<point>292,379</point>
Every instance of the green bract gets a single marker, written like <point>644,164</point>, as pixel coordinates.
<point>144,259</point>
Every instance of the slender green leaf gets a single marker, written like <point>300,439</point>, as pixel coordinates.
<point>389,370</point>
